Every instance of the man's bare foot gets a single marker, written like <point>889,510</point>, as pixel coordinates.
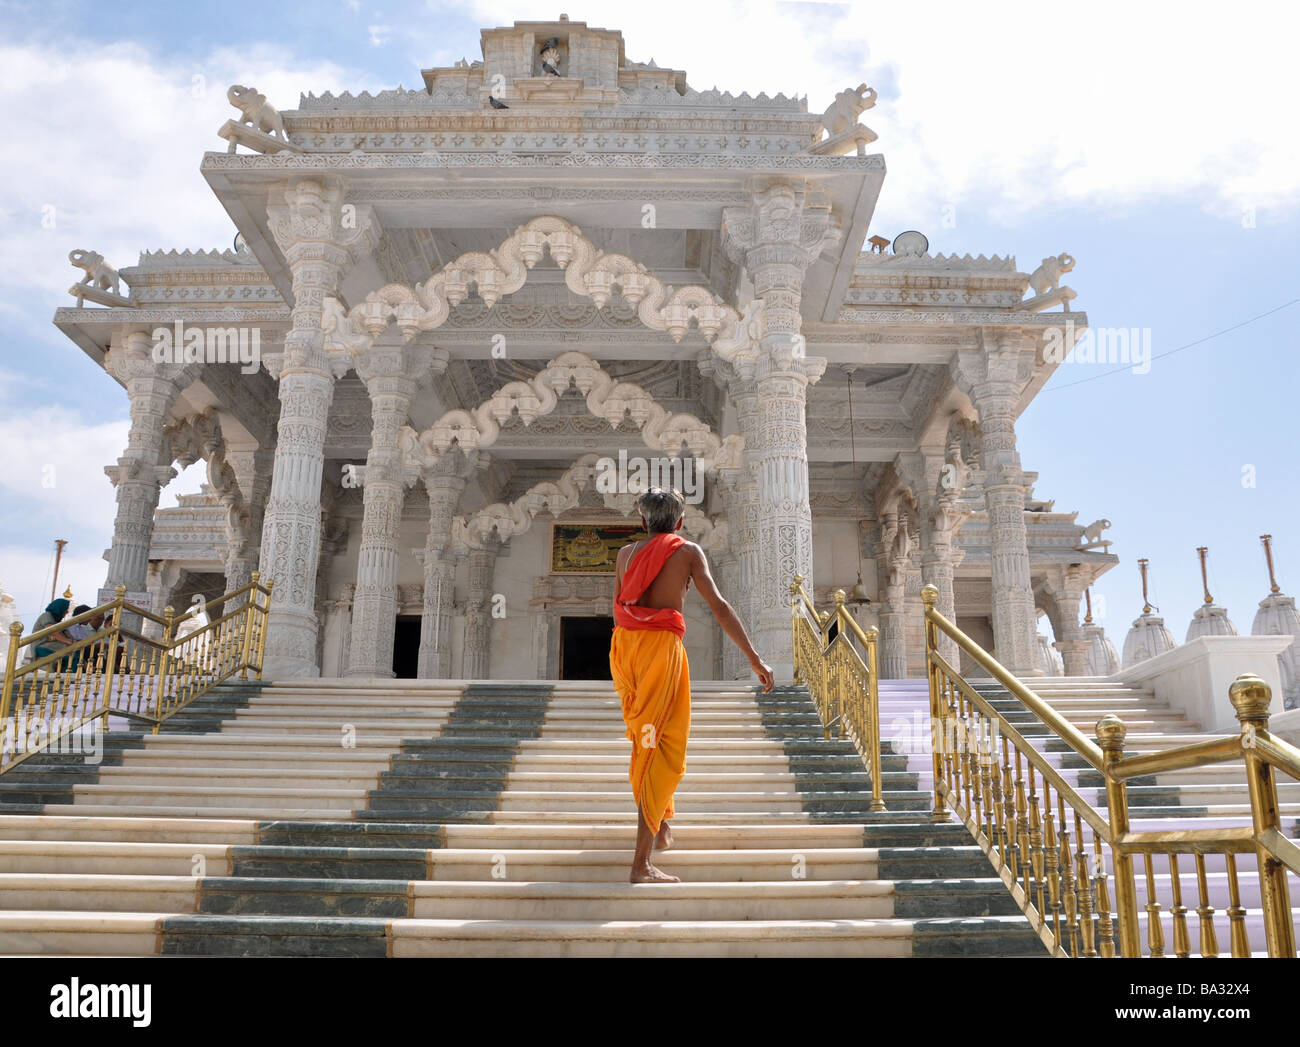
<point>664,839</point>
<point>649,874</point>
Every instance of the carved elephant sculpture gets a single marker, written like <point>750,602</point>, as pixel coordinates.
<point>844,111</point>
<point>258,112</point>
<point>1092,533</point>
<point>1047,277</point>
<point>99,273</point>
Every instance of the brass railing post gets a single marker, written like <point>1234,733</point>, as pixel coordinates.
<point>938,737</point>
<point>110,662</point>
<point>261,633</point>
<point>1111,733</point>
<point>1250,697</point>
<point>11,665</point>
<point>873,683</point>
<point>164,666</point>
<point>246,655</point>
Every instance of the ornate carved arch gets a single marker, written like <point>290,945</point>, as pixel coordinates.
<point>588,271</point>
<point>199,438</point>
<point>555,497</point>
<point>606,398</point>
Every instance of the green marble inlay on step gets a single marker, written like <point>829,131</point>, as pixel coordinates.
<point>981,936</point>
<point>431,780</point>
<point>204,935</point>
<point>304,897</point>
<point>366,834</point>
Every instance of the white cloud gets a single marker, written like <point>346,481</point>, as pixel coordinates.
<point>54,466</point>
<point>114,135</point>
<point>1020,107</point>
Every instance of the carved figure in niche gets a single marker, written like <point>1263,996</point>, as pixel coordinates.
<point>551,56</point>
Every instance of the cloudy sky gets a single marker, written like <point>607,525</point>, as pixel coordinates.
<point>1155,143</point>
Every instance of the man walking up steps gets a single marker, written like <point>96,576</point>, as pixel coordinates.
<point>647,660</point>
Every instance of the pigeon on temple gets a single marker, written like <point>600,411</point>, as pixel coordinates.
<point>495,104</point>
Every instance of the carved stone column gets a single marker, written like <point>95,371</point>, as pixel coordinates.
<point>739,496</point>
<point>730,663</point>
<point>895,546</point>
<point>1067,587</point>
<point>163,582</point>
<point>145,466</point>
<point>936,484</point>
<point>995,381</point>
<point>444,483</point>
<point>374,614</point>
<point>319,240</point>
<point>251,468</point>
<point>777,236</point>
<point>478,609</point>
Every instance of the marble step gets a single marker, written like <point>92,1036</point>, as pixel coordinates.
<point>502,900</point>
<point>46,933</point>
<point>750,865</point>
<point>72,826</point>
<point>114,858</point>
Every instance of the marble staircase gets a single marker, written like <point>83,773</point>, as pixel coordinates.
<point>418,818</point>
<point>406,819</point>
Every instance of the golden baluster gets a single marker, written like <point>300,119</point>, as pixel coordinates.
<point>986,779</point>
<point>1053,858</point>
<point>1209,940</point>
<point>1036,842</point>
<point>1182,942</point>
<point>1238,936</point>
<point>960,747</point>
<point>999,805</point>
<point>1009,810</point>
<point>949,735</point>
<point>1083,884</point>
<point>1250,697</point>
<point>1022,826</point>
<point>974,740</point>
<point>1105,925</point>
<point>1067,881</point>
<point>954,749</point>
<point>1155,932</point>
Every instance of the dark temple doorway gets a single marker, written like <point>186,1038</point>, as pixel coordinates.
<point>406,647</point>
<point>584,648</point>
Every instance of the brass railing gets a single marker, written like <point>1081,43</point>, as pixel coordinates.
<point>842,679</point>
<point>118,670</point>
<point>1059,854</point>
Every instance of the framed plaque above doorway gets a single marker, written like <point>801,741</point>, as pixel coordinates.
<point>590,548</point>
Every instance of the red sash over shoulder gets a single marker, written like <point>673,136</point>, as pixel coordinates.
<point>641,572</point>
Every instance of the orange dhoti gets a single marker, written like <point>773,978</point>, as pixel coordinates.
<point>653,678</point>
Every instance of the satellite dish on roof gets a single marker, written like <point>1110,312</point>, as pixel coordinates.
<point>240,243</point>
<point>911,244</point>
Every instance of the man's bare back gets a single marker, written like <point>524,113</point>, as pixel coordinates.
<point>670,584</point>
<point>668,590</point>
